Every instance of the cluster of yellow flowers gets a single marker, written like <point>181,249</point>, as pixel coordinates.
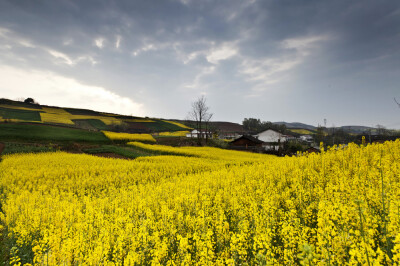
<point>56,115</point>
<point>60,116</point>
<point>18,107</point>
<point>338,207</point>
<point>177,124</point>
<point>128,136</point>
<point>302,131</point>
<point>174,134</point>
<point>203,152</point>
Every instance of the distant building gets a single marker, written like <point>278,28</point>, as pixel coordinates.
<point>307,138</point>
<point>246,141</point>
<point>228,130</point>
<point>271,139</point>
<point>270,136</point>
<point>195,133</point>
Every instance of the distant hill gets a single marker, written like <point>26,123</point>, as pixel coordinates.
<point>357,129</point>
<point>20,112</point>
<point>296,125</point>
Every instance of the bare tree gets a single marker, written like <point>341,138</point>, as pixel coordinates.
<point>201,116</point>
<point>396,102</point>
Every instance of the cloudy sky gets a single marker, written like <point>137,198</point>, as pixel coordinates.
<point>274,60</point>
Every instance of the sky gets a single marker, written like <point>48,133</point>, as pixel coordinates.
<point>294,61</point>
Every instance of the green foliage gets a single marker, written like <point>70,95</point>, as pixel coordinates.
<point>90,124</point>
<point>20,104</point>
<point>161,126</point>
<point>75,111</point>
<point>26,115</point>
<point>11,148</point>
<point>292,147</point>
<point>11,131</point>
<point>255,125</point>
<point>123,151</point>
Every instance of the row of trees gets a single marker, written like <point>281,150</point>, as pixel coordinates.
<point>255,125</point>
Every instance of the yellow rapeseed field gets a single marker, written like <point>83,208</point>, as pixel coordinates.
<point>129,136</point>
<point>174,134</point>
<point>338,207</point>
<point>177,124</point>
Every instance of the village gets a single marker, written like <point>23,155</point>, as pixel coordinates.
<point>267,141</point>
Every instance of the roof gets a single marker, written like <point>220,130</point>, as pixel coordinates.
<point>248,137</point>
<point>228,127</point>
<point>273,130</point>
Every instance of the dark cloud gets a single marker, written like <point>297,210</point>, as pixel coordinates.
<point>312,55</point>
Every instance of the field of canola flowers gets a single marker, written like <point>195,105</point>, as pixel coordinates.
<point>128,136</point>
<point>228,208</point>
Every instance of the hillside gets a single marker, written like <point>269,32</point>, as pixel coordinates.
<point>20,112</point>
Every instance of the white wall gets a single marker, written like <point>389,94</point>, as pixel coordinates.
<point>271,136</point>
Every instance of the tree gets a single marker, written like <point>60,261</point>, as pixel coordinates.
<point>252,124</point>
<point>201,116</point>
<point>30,100</point>
<point>396,102</point>
<point>255,125</point>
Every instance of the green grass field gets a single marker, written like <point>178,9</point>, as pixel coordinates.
<point>90,124</point>
<point>161,126</point>
<point>26,115</point>
<point>11,147</point>
<point>128,152</point>
<point>12,131</point>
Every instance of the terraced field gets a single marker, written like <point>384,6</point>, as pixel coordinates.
<point>13,111</point>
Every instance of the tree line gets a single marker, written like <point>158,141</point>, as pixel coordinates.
<point>256,125</point>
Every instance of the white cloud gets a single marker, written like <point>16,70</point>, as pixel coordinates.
<point>196,83</point>
<point>270,70</point>
<point>145,48</point>
<point>68,42</point>
<point>99,42</point>
<point>52,89</point>
<point>220,53</point>
<point>304,45</point>
<point>65,59</point>
<point>118,41</point>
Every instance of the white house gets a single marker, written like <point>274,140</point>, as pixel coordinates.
<point>271,138</point>
<point>195,133</point>
<point>307,138</point>
<point>270,135</point>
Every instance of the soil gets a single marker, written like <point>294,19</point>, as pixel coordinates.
<point>110,155</point>
<point>2,146</point>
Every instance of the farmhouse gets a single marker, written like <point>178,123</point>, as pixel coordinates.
<point>246,141</point>
<point>228,130</point>
<point>307,138</point>
<point>195,133</point>
<point>270,135</point>
<point>271,139</point>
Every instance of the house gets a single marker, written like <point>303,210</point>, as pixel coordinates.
<point>271,139</point>
<point>270,136</point>
<point>307,138</point>
<point>289,137</point>
<point>228,130</point>
<point>246,141</point>
<point>195,133</point>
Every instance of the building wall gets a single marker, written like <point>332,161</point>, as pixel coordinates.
<point>271,136</point>
<point>245,142</point>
